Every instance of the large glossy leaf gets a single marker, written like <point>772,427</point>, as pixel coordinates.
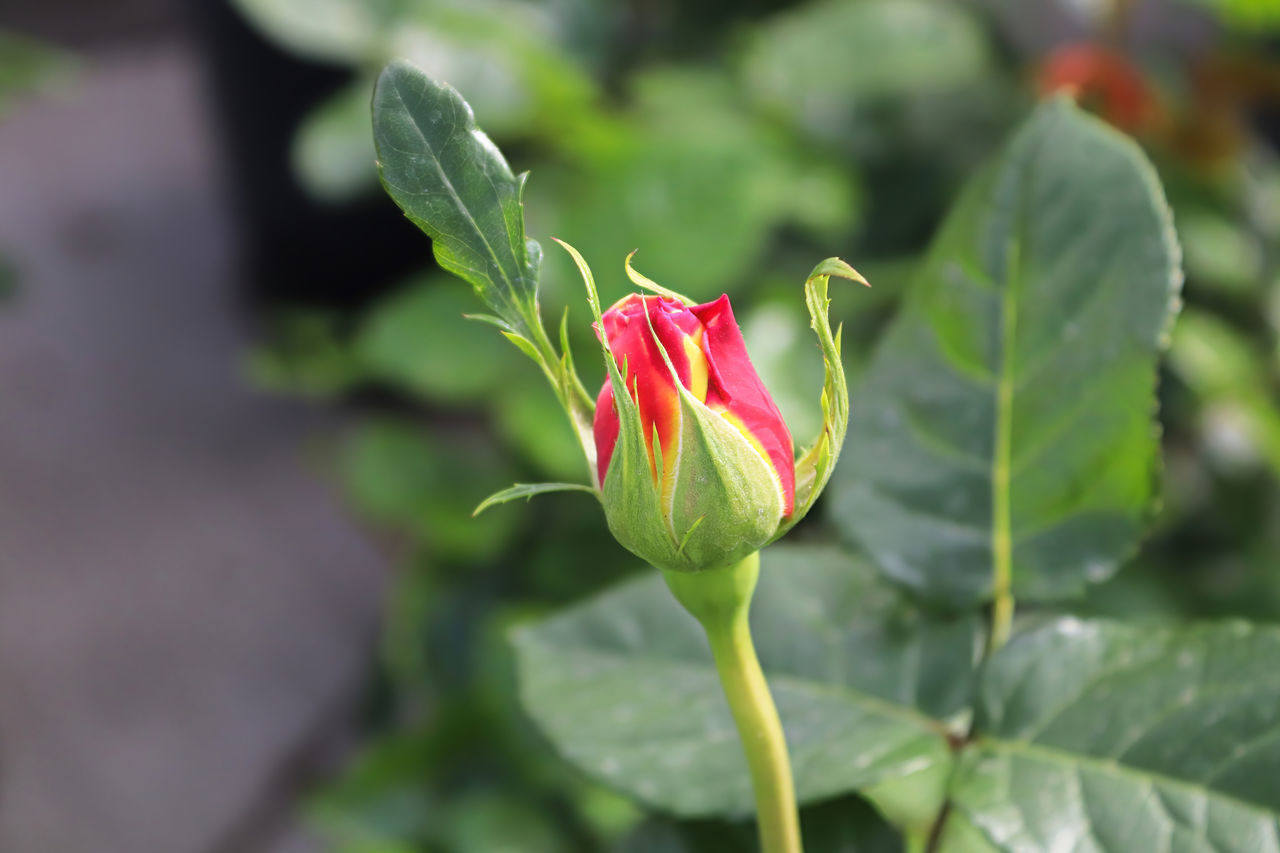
<point>454,184</point>
<point>1105,737</point>
<point>625,688</point>
<point>1004,429</point>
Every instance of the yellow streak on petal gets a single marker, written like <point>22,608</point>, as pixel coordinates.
<point>697,365</point>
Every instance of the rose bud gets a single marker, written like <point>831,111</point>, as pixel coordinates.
<point>695,466</point>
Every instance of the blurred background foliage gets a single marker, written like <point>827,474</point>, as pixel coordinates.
<point>734,144</point>
<point>27,66</point>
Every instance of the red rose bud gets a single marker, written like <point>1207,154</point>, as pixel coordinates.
<point>1103,81</point>
<point>696,469</point>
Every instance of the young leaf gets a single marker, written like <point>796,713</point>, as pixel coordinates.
<point>1003,436</point>
<point>625,688</point>
<point>528,490</point>
<point>1106,737</point>
<point>454,184</point>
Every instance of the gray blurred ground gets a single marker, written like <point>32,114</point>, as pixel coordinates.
<point>186,611</point>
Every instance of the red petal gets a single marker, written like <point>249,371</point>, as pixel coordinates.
<point>647,376</point>
<point>605,429</point>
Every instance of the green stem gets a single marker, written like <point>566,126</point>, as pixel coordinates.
<point>720,600</point>
<point>1002,473</point>
<point>916,841</point>
<point>1001,620</point>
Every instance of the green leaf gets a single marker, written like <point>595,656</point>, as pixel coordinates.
<point>843,825</point>
<point>328,30</point>
<point>529,421</point>
<point>1004,432</point>
<point>417,339</point>
<point>307,354</point>
<point>625,688</point>
<point>401,475</point>
<point>1107,737</point>
<point>381,797</point>
<point>454,184</point>
<point>528,490</point>
<point>1230,375</point>
<point>1250,16</point>
<point>332,151</point>
<point>817,61</point>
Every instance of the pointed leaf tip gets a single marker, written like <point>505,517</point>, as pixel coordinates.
<point>840,269</point>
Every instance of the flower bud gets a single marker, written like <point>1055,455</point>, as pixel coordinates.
<point>696,465</point>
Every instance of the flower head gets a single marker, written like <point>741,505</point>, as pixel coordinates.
<point>717,455</point>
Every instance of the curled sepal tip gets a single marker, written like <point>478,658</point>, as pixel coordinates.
<point>813,468</point>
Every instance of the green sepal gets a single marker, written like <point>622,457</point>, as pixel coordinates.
<point>524,345</point>
<point>726,501</point>
<point>814,467</point>
<point>641,280</point>
<point>491,320</point>
<point>526,491</point>
<point>629,494</point>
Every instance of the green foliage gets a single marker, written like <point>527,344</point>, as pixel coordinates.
<point>1124,738</point>
<point>686,161</point>
<point>454,184</point>
<point>797,62</point>
<point>418,340</point>
<point>817,461</point>
<point>306,355</point>
<point>27,66</point>
<point>501,52</point>
<point>1246,15</point>
<point>839,127</point>
<point>400,475</point>
<point>1003,432</point>
<point>625,687</point>
<point>331,151</point>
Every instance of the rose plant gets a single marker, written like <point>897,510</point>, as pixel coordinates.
<point>1002,448</point>
<point>691,458</point>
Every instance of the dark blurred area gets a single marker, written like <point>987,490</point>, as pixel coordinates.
<point>242,426</point>
<point>188,614</point>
